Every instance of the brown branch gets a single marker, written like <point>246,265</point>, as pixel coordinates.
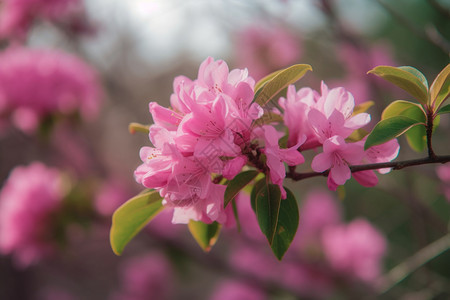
<point>395,165</point>
<point>430,121</point>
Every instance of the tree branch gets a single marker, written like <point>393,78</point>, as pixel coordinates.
<point>358,168</point>
<point>437,41</point>
<point>403,270</point>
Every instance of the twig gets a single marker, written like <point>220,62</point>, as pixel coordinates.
<point>440,8</point>
<point>403,270</point>
<point>394,165</point>
<point>441,44</point>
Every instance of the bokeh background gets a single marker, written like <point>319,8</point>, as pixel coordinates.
<point>74,74</point>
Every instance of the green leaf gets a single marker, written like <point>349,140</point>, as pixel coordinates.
<point>287,225</point>
<point>440,88</point>
<point>405,80</point>
<point>416,73</point>
<point>267,118</point>
<point>388,129</point>
<point>205,235</point>
<point>268,203</point>
<point>237,184</point>
<point>402,108</point>
<point>280,81</point>
<point>257,187</point>
<point>137,127</point>
<point>444,110</point>
<point>357,135</point>
<point>363,107</point>
<point>131,217</point>
<point>266,79</point>
<point>417,138</point>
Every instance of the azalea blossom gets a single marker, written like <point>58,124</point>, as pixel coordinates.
<point>383,153</point>
<point>276,157</point>
<point>17,16</point>
<point>201,136</point>
<point>355,249</point>
<point>333,114</point>
<point>39,83</point>
<point>337,155</point>
<point>30,197</point>
<point>146,277</point>
<point>296,107</point>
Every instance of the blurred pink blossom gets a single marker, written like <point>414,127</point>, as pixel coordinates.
<point>146,278</point>
<point>38,83</point>
<point>247,218</point>
<point>264,50</point>
<point>254,259</point>
<point>355,249</point>
<point>110,196</point>
<point>17,16</point>
<point>319,210</point>
<point>357,62</point>
<point>443,173</point>
<point>236,290</point>
<point>28,200</point>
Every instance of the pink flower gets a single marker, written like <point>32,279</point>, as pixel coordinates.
<point>264,50</point>
<point>18,15</point>
<point>236,290</point>
<point>28,200</point>
<point>383,153</point>
<point>276,156</point>
<point>251,259</point>
<point>110,196</point>
<point>147,277</point>
<point>319,210</point>
<point>38,83</point>
<point>333,114</point>
<point>157,162</point>
<point>184,182</point>
<point>234,166</point>
<point>296,107</point>
<point>355,249</point>
<point>337,156</point>
<point>205,130</point>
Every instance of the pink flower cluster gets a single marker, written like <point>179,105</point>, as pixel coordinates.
<point>28,200</point>
<point>327,120</point>
<point>36,83</point>
<point>17,16</point>
<point>210,118</point>
<point>209,132</point>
